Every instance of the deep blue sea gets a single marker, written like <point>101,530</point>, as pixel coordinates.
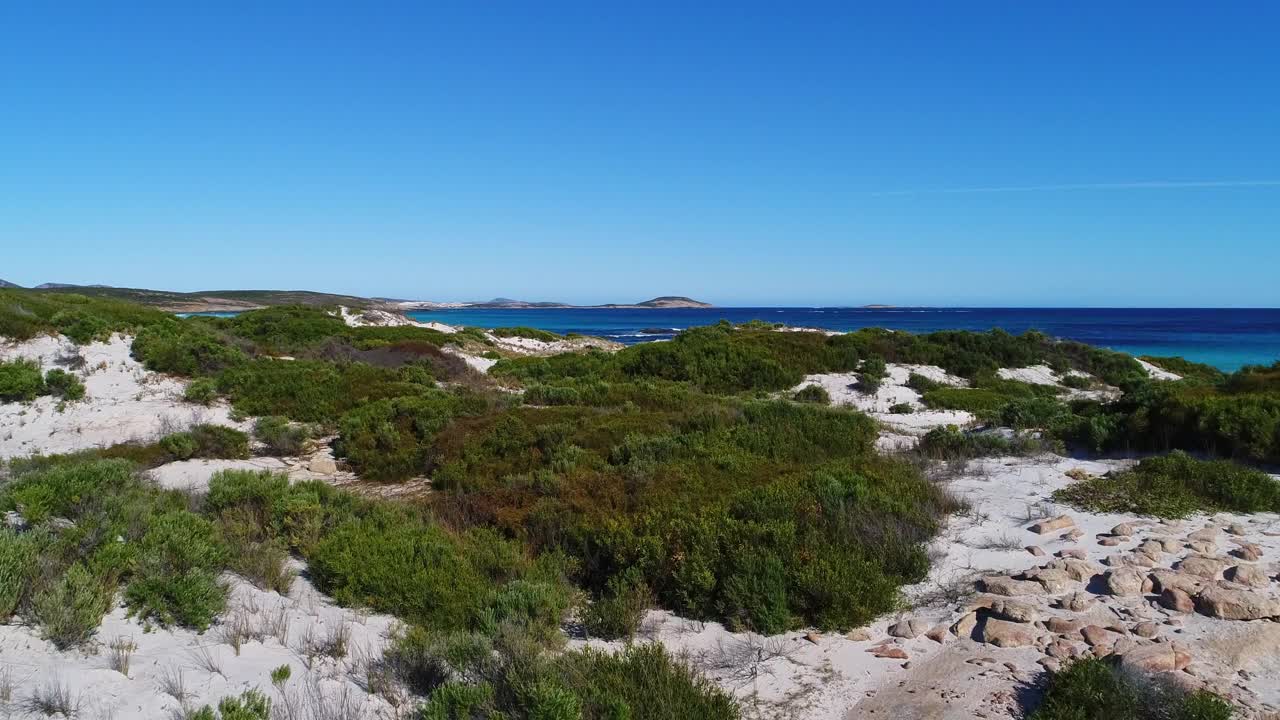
<point>1225,338</point>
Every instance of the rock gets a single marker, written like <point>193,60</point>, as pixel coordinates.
<point>1124,581</point>
<point>811,637</point>
<point>322,465</point>
<point>1072,535</point>
<point>60,523</point>
<point>1035,550</point>
<point>909,628</point>
<point>1176,600</point>
<point>1153,548</point>
<point>1061,649</point>
<point>1146,629</point>
<point>1124,529</point>
<point>1005,634</point>
<point>1109,541</point>
<point>1248,551</point>
<point>1236,604</point>
<point>1065,626</point>
<point>1167,544</point>
<point>859,634</point>
<point>1201,566</point>
<point>1202,547</point>
<point>891,652</point>
<point>1003,585</point>
<point>1050,664</point>
<point>937,633</point>
<point>1047,526</point>
<point>1051,580</point>
<point>1155,658</point>
<point>1076,602</point>
<point>1078,553</point>
<point>964,627</point>
<point>1205,535</point>
<point>1076,569</point>
<point>1249,575</point>
<point>1189,584</point>
<point>1096,635</point>
<point>14,520</point>
<point>1236,529</point>
<point>1142,558</point>
<point>1013,611</point>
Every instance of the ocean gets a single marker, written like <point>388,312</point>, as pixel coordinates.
<point>1225,338</point>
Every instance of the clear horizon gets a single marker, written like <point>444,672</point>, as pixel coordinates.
<point>983,155</point>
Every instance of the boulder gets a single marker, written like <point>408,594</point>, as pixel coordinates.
<point>1047,526</point>
<point>937,633</point>
<point>1096,635</point>
<point>1076,602</point>
<point>1248,575</point>
<point>1004,585</point>
<point>1163,579</point>
<point>1146,629</point>
<point>1003,633</point>
<point>1061,649</point>
<point>1176,600</point>
<point>964,627</point>
<point>1124,581</point>
<point>1013,611</point>
<point>1236,529</point>
<point>1203,548</point>
<point>859,634</point>
<point>1051,580</point>
<point>1065,626</point>
<point>1078,553</point>
<point>1248,551</point>
<point>1167,544</point>
<point>1124,529</point>
<point>1035,550</point>
<point>908,628</point>
<point>322,465</point>
<point>1230,604</point>
<point>1155,658</point>
<point>1153,548</point>
<point>891,652</point>
<point>1205,535</point>
<point>1072,535</point>
<point>1201,566</point>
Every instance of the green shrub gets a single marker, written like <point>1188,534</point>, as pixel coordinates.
<point>871,373</point>
<point>617,614</point>
<point>181,445</point>
<point>281,436</point>
<point>902,409</point>
<point>288,329</point>
<point>70,609</point>
<point>220,441</point>
<point>63,384</point>
<point>952,443</point>
<point>176,581</point>
<point>812,394</point>
<point>81,326</point>
<point>525,332</point>
<point>391,439</point>
<point>642,681</point>
<point>202,391</point>
<point>1079,382</point>
<point>1093,689</point>
<point>185,347</point>
<point>1187,369</point>
<point>1175,486</point>
<point>20,381</point>
<point>922,384</point>
<point>251,705</point>
<point>17,564</point>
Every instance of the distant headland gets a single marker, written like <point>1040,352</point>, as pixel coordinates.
<point>664,302</point>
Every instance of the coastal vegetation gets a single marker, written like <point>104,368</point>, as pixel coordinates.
<point>1094,689</point>
<point>1176,485</point>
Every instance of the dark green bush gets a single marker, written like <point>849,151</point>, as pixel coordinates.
<point>202,391</point>
<point>181,445</point>
<point>617,614</point>
<point>642,681</point>
<point>176,580</point>
<point>288,329</point>
<point>207,441</point>
<point>185,347</point>
<point>1175,486</point>
<point>71,607</point>
<point>812,394</point>
<point>951,443</point>
<point>281,436</point>
<point>922,384</point>
<point>20,381</point>
<point>391,439</point>
<point>1093,689</point>
<point>17,565</point>
<point>902,409</point>
<point>871,373</point>
<point>525,332</point>
<point>63,384</point>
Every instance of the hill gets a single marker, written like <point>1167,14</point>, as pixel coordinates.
<point>208,300</point>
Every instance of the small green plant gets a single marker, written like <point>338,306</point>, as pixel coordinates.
<point>901,408</point>
<point>181,445</point>
<point>70,609</point>
<point>618,613</point>
<point>1093,689</point>
<point>20,381</point>
<point>812,394</point>
<point>281,436</point>
<point>871,374</point>
<point>280,675</point>
<point>60,383</point>
<point>17,563</point>
<point>202,391</point>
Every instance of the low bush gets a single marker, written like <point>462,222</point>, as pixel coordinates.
<point>17,565</point>
<point>871,374</point>
<point>63,384</point>
<point>250,705</point>
<point>207,441</point>
<point>812,394</point>
<point>185,347</point>
<point>176,580</point>
<point>1175,486</point>
<point>1078,382</point>
<point>922,384</point>
<point>525,332</point>
<point>902,409</point>
<point>1094,689</point>
<point>280,436</point>
<point>202,391</point>
<point>391,439</point>
<point>617,614</point>
<point>70,608</point>
<point>1187,369</point>
<point>952,443</point>
<point>20,380</point>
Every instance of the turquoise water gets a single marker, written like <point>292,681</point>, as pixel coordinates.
<point>1225,338</point>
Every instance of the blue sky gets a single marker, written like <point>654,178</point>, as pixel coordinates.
<point>1092,154</point>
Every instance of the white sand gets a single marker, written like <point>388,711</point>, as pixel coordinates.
<point>375,318</point>
<point>123,402</point>
<point>1157,373</point>
<point>844,392</point>
<point>306,616</point>
<point>1044,375</point>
